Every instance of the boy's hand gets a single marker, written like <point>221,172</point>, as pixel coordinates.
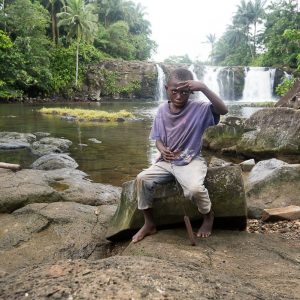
<point>166,153</point>
<point>191,85</point>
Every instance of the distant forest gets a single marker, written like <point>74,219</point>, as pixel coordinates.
<point>47,45</point>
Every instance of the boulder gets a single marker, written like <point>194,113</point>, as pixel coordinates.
<point>54,161</point>
<point>15,140</point>
<point>49,145</point>
<point>217,162</point>
<point>272,183</point>
<point>226,189</point>
<point>43,232</point>
<point>226,134</point>
<point>292,97</point>
<point>247,165</point>
<point>30,186</point>
<point>275,131</point>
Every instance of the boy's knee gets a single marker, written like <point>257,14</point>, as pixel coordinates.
<point>195,191</point>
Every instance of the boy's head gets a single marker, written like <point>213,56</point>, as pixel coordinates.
<point>176,95</point>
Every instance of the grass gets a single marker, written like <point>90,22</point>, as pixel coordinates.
<point>87,114</point>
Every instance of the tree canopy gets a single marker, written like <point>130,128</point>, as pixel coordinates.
<point>42,35</point>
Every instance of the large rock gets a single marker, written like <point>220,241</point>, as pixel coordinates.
<point>272,183</point>
<point>228,265</point>
<point>226,189</point>
<point>15,140</point>
<point>292,97</point>
<point>120,79</point>
<point>49,145</point>
<point>43,232</point>
<point>275,131</point>
<point>30,186</point>
<point>54,161</point>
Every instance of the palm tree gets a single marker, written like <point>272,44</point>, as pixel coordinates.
<point>250,14</point>
<point>211,39</point>
<point>81,23</point>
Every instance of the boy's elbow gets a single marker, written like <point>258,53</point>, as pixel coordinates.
<point>224,111</point>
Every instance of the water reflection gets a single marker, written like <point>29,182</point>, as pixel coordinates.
<point>124,150</point>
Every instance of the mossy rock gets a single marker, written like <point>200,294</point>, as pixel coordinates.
<point>226,189</point>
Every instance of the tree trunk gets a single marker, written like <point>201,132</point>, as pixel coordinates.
<point>77,63</point>
<point>13,167</point>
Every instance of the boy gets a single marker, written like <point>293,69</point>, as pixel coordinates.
<point>177,129</point>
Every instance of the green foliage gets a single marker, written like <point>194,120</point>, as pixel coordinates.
<point>63,66</point>
<point>280,50</point>
<point>111,84</point>
<point>177,59</point>
<point>285,86</point>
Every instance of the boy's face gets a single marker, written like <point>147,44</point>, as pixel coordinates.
<point>178,97</point>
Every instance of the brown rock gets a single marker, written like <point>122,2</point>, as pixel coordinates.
<point>291,212</point>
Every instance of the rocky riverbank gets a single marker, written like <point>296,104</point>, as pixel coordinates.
<point>54,222</point>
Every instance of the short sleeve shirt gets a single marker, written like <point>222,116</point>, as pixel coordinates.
<point>182,132</point>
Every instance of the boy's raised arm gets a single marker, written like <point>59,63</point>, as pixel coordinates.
<point>219,106</point>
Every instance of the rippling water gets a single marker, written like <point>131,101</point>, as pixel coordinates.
<point>124,150</point>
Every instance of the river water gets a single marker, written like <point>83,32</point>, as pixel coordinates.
<point>124,150</point>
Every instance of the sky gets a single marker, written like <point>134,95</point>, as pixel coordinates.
<point>180,26</point>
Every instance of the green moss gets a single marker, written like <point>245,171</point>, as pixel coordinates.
<point>87,114</point>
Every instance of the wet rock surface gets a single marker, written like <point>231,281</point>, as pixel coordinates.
<point>15,140</point>
<point>49,145</point>
<point>228,265</point>
<point>54,161</point>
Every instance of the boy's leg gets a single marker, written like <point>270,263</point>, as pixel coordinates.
<point>145,183</point>
<point>191,178</point>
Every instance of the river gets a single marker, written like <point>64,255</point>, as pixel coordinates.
<point>124,150</point>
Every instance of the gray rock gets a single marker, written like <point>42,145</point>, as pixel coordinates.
<point>49,145</point>
<point>95,141</point>
<point>247,165</point>
<point>164,266</point>
<point>217,162</point>
<point>54,161</point>
<point>41,134</point>
<point>43,232</point>
<point>277,132</point>
<point>30,186</point>
<point>272,183</point>
<point>15,140</point>
<point>226,189</point>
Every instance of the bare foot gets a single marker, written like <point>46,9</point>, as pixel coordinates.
<point>207,225</point>
<point>143,232</point>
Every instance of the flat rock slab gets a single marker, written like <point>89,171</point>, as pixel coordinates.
<point>31,186</point>
<point>272,183</point>
<point>228,265</point>
<point>226,189</point>
<point>291,212</point>
<point>54,161</point>
<point>44,232</point>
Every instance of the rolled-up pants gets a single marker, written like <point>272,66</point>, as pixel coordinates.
<point>190,177</point>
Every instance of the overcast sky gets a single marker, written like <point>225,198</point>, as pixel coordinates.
<point>180,27</point>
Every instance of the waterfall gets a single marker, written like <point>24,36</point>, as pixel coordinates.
<point>192,69</point>
<point>258,84</point>
<point>160,86</point>
<point>211,78</point>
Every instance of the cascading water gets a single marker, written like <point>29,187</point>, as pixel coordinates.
<point>210,78</point>
<point>160,94</point>
<point>258,84</point>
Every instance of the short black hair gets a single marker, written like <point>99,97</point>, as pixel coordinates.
<point>180,74</point>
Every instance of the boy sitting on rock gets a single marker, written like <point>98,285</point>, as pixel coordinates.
<point>178,129</point>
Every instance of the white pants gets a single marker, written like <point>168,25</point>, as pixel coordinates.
<point>190,177</point>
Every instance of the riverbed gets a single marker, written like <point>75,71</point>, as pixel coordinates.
<point>125,148</point>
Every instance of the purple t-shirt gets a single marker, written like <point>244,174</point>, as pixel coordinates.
<point>182,132</point>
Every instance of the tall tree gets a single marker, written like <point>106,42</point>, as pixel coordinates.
<point>80,21</point>
<point>211,39</point>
